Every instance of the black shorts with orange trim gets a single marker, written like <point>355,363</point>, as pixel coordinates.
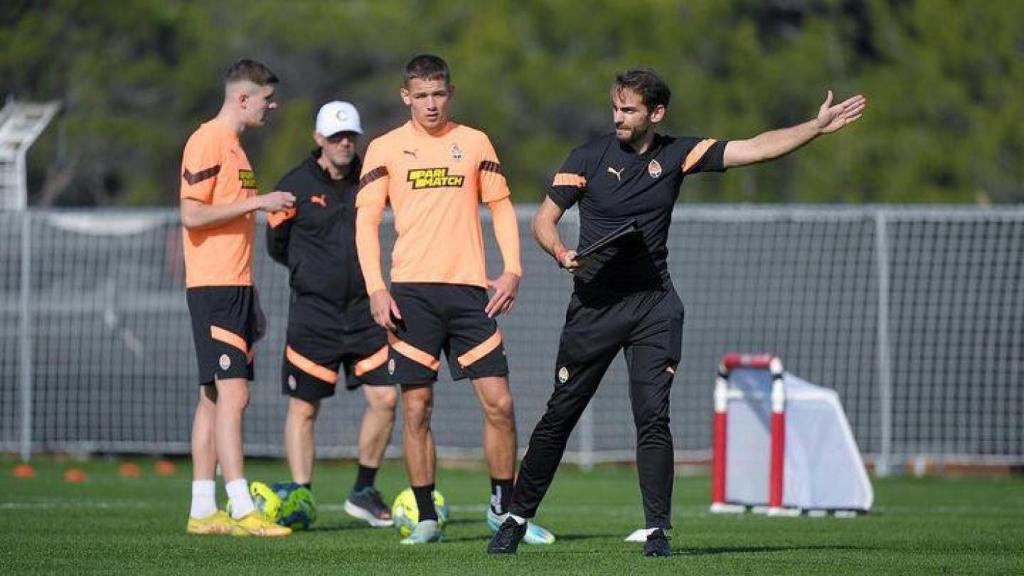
<point>447,318</point>
<point>224,327</point>
<point>314,353</point>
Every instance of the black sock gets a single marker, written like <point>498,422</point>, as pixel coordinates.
<point>425,501</point>
<point>501,495</point>
<point>365,478</point>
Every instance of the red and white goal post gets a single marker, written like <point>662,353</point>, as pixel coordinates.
<point>758,464</point>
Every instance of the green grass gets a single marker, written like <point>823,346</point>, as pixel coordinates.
<point>136,525</point>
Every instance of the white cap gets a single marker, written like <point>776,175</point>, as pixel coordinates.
<point>337,117</point>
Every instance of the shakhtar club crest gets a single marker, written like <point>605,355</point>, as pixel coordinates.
<point>654,169</point>
<point>456,151</point>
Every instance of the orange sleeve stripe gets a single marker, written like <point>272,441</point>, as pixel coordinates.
<point>697,153</point>
<point>309,367</point>
<point>574,180</point>
<point>231,339</point>
<point>481,350</point>
<point>372,362</point>
<point>275,219</point>
<point>413,353</point>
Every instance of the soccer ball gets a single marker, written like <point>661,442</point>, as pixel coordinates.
<point>406,514</point>
<point>298,507</point>
<point>266,500</point>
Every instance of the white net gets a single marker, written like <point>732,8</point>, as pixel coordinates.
<point>105,326</point>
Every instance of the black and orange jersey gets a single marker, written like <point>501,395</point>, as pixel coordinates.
<point>215,170</point>
<point>612,185</point>
<point>316,239</point>
<point>435,184</point>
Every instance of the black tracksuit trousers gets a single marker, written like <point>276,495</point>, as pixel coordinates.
<point>648,326</point>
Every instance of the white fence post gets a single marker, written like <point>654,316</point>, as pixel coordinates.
<point>25,336</point>
<point>884,369</point>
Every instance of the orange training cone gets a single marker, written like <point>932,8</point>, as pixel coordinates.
<point>129,470</point>
<point>24,471</point>
<point>165,468</point>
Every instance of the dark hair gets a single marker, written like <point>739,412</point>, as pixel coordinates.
<point>427,67</point>
<point>250,70</point>
<point>647,83</point>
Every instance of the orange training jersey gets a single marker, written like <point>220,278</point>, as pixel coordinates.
<point>435,185</point>
<point>215,170</point>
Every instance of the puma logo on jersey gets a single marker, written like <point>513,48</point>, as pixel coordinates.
<point>617,173</point>
<point>409,153</point>
<point>321,200</point>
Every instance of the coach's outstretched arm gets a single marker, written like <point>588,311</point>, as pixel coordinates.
<point>775,143</point>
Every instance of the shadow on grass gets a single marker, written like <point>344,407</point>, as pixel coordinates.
<point>360,525</point>
<point>758,549</point>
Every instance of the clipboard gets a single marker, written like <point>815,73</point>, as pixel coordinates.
<point>627,229</point>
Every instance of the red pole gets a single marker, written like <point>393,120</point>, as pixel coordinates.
<point>718,442</point>
<point>778,455</point>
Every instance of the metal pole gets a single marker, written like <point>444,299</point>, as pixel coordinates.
<point>884,367</point>
<point>25,337</point>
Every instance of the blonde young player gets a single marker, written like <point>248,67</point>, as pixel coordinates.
<point>435,173</point>
<point>218,199</point>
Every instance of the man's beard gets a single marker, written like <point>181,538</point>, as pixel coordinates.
<point>632,137</point>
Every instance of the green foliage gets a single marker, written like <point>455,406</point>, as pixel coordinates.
<point>943,79</point>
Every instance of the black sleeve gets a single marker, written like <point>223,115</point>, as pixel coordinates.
<point>279,228</point>
<point>702,155</point>
<point>570,182</point>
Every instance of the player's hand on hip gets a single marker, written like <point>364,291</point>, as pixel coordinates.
<point>276,201</point>
<point>384,309</point>
<point>506,289</point>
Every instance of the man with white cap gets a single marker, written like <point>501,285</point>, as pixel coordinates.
<point>329,321</point>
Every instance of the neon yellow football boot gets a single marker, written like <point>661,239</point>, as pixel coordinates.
<point>256,524</point>
<point>217,523</point>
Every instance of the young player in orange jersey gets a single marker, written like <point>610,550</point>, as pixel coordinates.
<point>218,201</point>
<point>435,173</point>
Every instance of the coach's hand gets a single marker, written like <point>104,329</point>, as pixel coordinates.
<point>568,261</point>
<point>506,288</point>
<point>276,201</point>
<point>384,310</point>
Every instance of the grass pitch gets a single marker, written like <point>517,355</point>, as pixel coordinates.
<point>114,524</point>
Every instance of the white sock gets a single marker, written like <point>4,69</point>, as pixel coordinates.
<point>241,501</point>
<point>204,498</point>
<point>519,519</point>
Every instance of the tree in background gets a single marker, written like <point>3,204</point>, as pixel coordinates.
<point>944,78</point>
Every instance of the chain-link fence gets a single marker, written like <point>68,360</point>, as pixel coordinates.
<point>915,317</point>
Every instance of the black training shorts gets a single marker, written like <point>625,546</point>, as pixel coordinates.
<point>314,352</point>
<point>224,325</point>
<point>447,318</point>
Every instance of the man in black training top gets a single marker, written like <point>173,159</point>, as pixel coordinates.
<point>623,297</point>
<point>329,321</point>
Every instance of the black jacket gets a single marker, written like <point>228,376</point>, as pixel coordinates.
<point>318,243</point>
